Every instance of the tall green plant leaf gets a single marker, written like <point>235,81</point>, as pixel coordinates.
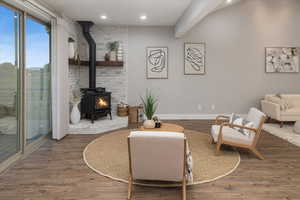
<point>150,104</point>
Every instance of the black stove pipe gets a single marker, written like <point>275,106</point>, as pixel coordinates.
<point>86,26</point>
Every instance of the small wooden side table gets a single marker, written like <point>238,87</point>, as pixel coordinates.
<point>165,127</point>
<point>133,114</point>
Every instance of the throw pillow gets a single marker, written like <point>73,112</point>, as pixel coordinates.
<point>287,104</point>
<point>285,101</point>
<point>237,120</point>
<point>277,100</point>
<point>233,117</point>
<point>189,166</point>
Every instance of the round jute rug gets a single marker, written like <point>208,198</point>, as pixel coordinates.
<point>108,156</point>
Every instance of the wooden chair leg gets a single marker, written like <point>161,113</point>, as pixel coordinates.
<point>184,189</point>
<point>281,124</point>
<point>257,154</point>
<point>129,188</point>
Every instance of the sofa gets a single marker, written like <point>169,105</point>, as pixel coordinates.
<point>282,107</point>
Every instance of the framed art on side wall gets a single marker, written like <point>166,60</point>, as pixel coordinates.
<point>282,59</point>
<point>157,62</point>
<point>194,58</point>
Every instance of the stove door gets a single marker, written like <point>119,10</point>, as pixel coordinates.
<point>102,102</point>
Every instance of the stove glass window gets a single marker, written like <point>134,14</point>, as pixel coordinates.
<point>102,102</point>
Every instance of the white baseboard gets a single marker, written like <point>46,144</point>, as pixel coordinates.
<point>191,116</point>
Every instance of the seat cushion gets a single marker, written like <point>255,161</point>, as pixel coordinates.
<point>231,135</point>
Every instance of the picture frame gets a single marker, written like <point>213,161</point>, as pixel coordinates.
<point>157,62</point>
<point>282,59</point>
<point>194,58</point>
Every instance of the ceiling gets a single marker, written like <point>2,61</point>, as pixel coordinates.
<point>122,12</point>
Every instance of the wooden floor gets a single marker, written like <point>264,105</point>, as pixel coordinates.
<point>57,172</point>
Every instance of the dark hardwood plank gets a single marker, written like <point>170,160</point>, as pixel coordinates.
<point>57,172</point>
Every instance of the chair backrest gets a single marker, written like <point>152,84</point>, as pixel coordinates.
<point>255,116</point>
<point>258,118</point>
<point>292,99</point>
<point>157,155</point>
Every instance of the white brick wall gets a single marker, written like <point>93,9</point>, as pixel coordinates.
<point>73,77</point>
<point>114,79</point>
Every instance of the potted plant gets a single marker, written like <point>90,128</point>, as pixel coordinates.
<point>113,49</point>
<point>75,100</point>
<point>149,106</point>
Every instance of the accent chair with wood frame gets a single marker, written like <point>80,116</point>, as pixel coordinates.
<point>157,156</point>
<point>224,132</point>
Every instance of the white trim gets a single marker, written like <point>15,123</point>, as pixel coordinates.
<point>191,116</point>
<point>39,8</point>
<point>34,8</point>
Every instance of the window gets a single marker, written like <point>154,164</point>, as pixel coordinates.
<point>23,118</point>
<point>37,79</point>
<point>9,82</point>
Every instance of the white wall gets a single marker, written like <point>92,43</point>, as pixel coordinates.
<point>235,78</point>
<point>64,29</point>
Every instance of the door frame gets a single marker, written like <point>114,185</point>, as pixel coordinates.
<point>23,149</point>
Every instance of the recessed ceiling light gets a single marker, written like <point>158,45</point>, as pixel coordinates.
<point>229,1</point>
<point>143,17</point>
<point>103,17</point>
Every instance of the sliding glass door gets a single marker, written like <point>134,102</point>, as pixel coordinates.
<point>25,82</point>
<point>37,79</point>
<point>9,82</point>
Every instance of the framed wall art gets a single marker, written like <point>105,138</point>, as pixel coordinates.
<point>194,58</point>
<point>282,59</point>
<point>157,62</point>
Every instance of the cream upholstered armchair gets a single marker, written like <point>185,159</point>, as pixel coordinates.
<point>157,156</point>
<point>225,133</point>
<point>282,107</point>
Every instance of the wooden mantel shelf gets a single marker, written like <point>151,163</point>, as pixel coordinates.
<point>98,63</point>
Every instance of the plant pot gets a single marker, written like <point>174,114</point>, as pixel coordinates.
<point>75,114</point>
<point>149,124</point>
<point>71,50</point>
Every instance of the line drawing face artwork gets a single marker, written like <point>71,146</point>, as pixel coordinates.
<point>194,58</point>
<point>157,62</point>
<point>282,59</point>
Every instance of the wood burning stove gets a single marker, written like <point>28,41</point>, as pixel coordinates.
<point>96,102</point>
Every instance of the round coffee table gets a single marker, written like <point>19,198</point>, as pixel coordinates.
<point>165,127</point>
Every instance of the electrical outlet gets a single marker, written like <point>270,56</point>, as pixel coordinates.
<point>213,106</point>
<point>199,107</point>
